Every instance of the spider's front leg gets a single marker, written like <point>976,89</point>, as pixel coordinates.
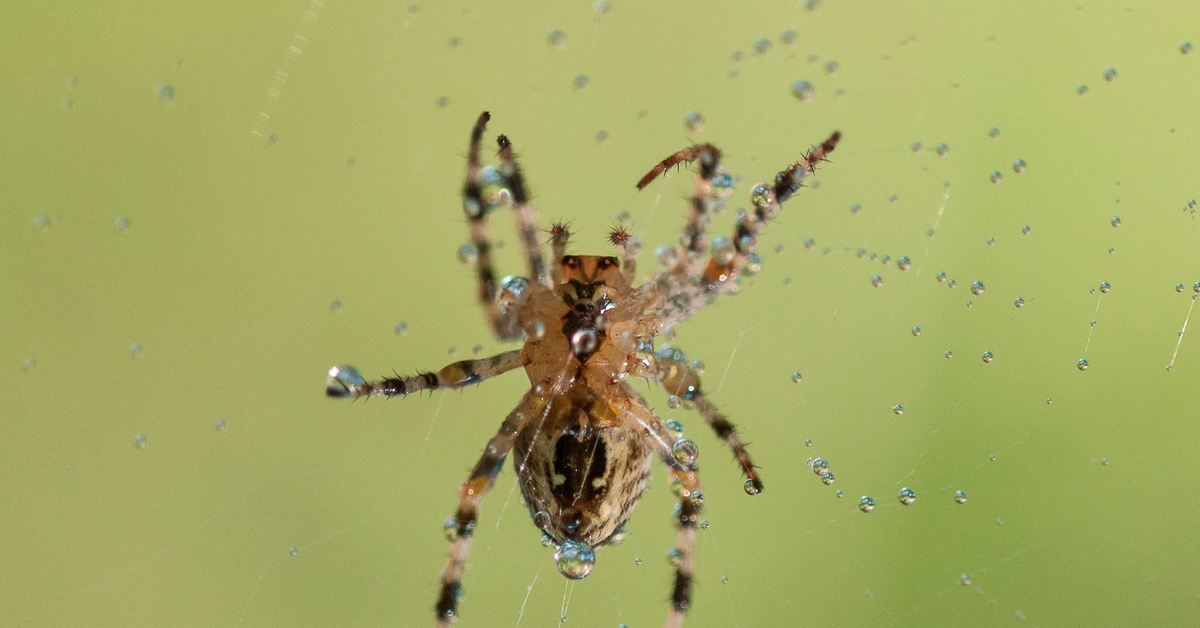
<point>694,282</point>
<point>345,381</point>
<point>683,381</point>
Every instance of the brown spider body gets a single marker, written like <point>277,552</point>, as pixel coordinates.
<point>582,439</point>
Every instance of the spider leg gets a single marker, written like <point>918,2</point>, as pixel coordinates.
<point>345,381</point>
<point>683,381</point>
<point>685,479</point>
<point>693,239</point>
<point>503,324</point>
<point>526,217</point>
<point>461,526</point>
<point>560,235</point>
<point>691,286</point>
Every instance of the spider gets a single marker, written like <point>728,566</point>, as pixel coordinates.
<point>582,438</point>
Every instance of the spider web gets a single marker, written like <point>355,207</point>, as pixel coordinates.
<point>293,510</point>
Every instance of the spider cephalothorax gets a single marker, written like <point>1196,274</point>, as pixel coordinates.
<point>582,439</point>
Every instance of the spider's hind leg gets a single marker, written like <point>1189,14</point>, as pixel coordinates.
<point>345,381</point>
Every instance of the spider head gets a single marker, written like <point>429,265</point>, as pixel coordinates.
<point>584,277</point>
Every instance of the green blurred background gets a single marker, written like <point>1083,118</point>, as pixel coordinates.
<point>205,180</point>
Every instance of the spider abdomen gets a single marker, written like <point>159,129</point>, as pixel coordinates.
<point>581,469</point>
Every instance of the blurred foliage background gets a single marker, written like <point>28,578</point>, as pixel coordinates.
<point>206,206</point>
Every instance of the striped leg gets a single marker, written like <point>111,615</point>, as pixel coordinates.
<point>526,217</point>
<point>560,235</point>
<point>461,526</point>
<point>693,239</point>
<point>683,381</point>
<point>503,324</point>
<point>684,556</point>
<point>690,287</point>
<point>344,381</point>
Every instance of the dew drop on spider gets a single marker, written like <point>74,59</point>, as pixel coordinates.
<point>761,196</point>
<point>698,366</point>
<point>343,381</point>
<point>907,496</point>
<point>674,402</point>
<point>685,451</point>
<point>866,504</point>
<point>753,265</point>
<point>575,559</point>
<point>675,556</point>
<point>674,426</point>
<point>751,487</point>
<point>722,183</point>
<point>584,342</point>
<point>722,250</point>
<point>667,255</point>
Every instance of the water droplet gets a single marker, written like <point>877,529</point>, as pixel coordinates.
<point>1018,166</point>
<point>960,497</point>
<point>1116,221</point>
<point>964,579</point>
<point>219,425</point>
<point>575,559</point>
<point>994,133</point>
<point>916,331</point>
<point>580,81</point>
<point>752,487</point>
<point>165,92</point>
<point>1196,287</point>
<point>1020,615</point>
<point>442,102</point>
<point>839,494</point>
<point>949,354</point>
<point>903,263</point>
<point>866,504</point>
<point>1019,302</point>
<point>1110,74</point>
<point>637,560</point>
<point>335,306</point>
<point>602,6</point>
<point>704,524</point>
<point>762,46</point>
<point>28,364</point>
<point>941,149</point>
<point>802,90</point>
<point>876,281</point>
<point>832,66</point>
<point>400,328</point>
<point>992,457</point>
<point>898,409</point>
<point>674,426</point>
<point>675,556</point>
<point>1025,230</point>
<point>556,39</point>
<point>1082,364</point>
<point>940,276</point>
<point>343,381</point>
<point>796,377</point>
<point>667,255</point>
<point>1082,89</point>
<point>584,342</point>
<point>135,350</point>
<point>1105,287</point>
<point>988,357</point>
<point>995,176</point>
<point>685,451</point>
<point>1185,47</point>
<point>907,496</point>
<point>694,121</point>
<point>788,37</point>
<point>722,250</point>
<point>828,478</point>
<point>467,253</point>
<point>808,442</point>
<point>1049,400</point>
<point>139,441</point>
<point>293,550</point>
<point>753,265</point>
<point>1179,287</point>
<point>123,224</point>
<point>820,466</point>
<point>977,288</point>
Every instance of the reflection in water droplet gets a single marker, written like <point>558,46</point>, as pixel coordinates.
<point>575,559</point>
<point>960,497</point>
<point>751,488</point>
<point>796,377</point>
<point>343,381</point>
<point>1018,166</point>
<point>584,342</point>
<point>866,504</point>
<point>977,288</point>
<point>898,409</point>
<point>1105,287</point>
<point>685,451</point>
<point>1026,229</point>
<point>722,250</point>
<point>949,354</point>
<point>667,255</point>
<point>916,331</point>
<point>903,263</point>
<point>988,357</point>
<point>1082,364</point>
<point>907,496</point>
<point>820,466</point>
<point>876,281</point>
<point>1019,302</point>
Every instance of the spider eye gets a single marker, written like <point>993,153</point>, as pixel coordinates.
<point>607,262</point>
<point>571,261</point>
